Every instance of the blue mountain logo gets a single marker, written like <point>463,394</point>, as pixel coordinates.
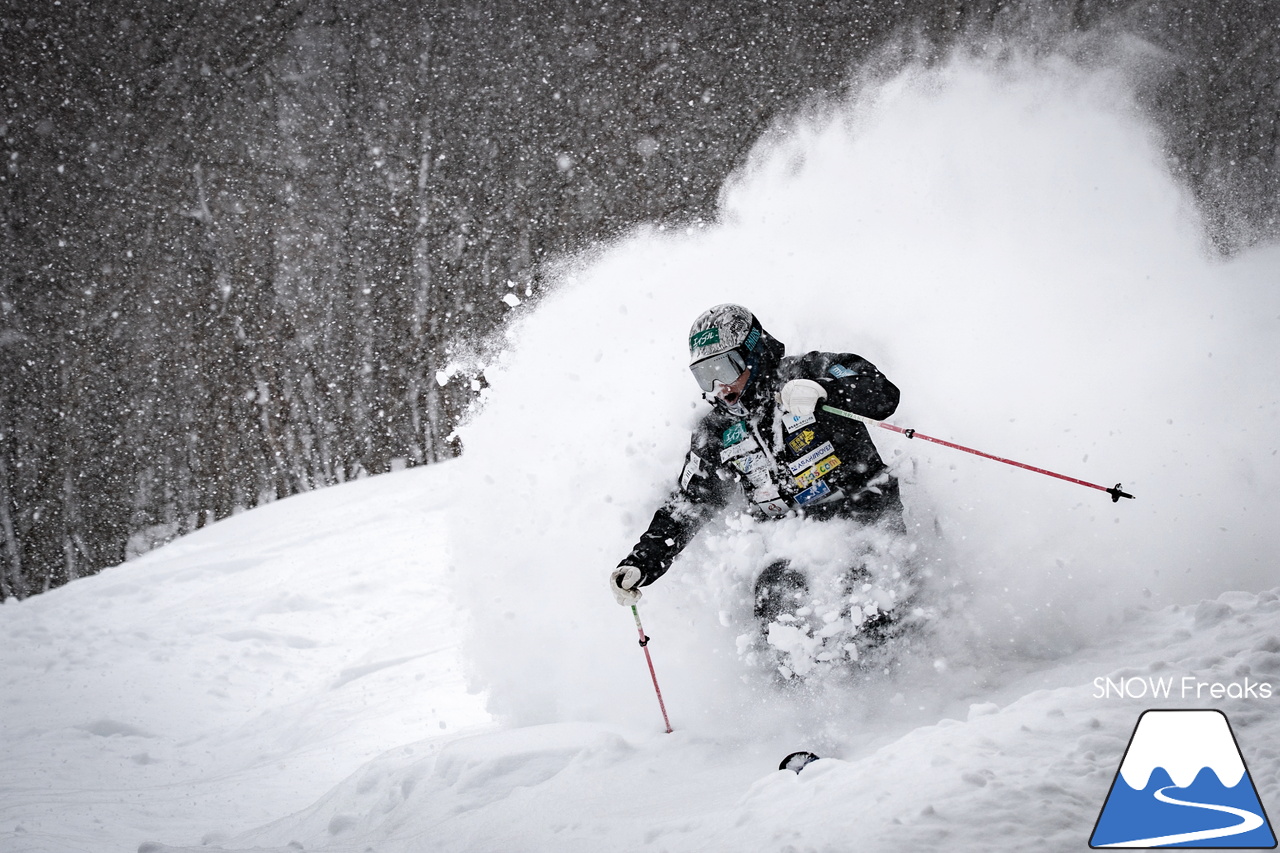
<point>1183,783</point>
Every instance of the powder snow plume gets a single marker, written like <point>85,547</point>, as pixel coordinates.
<point>1007,245</point>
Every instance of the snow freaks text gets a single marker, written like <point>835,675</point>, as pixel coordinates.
<point>1171,687</point>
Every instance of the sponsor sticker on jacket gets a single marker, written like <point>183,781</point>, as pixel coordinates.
<point>822,469</point>
<point>801,441</point>
<point>816,492</point>
<point>821,451</point>
<point>734,434</point>
<point>739,449</point>
<point>759,476</point>
<point>775,508</point>
<point>792,422</point>
<point>748,462</point>
<point>766,492</point>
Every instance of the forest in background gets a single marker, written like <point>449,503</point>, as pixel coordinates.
<point>247,249</point>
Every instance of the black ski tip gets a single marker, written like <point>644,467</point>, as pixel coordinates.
<point>797,761</point>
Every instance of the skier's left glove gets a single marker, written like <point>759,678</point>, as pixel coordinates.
<point>625,583</point>
<point>801,396</point>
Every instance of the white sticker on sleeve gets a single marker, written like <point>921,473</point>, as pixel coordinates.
<point>690,471</point>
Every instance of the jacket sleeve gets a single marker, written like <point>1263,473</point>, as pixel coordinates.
<point>852,383</point>
<point>699,495</point>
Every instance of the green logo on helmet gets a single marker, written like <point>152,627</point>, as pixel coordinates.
<point>705,338</point>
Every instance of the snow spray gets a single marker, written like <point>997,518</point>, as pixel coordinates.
<point>982,232</point>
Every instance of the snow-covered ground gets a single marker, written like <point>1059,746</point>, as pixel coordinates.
<point>234,675</point>
<point>430,660</point>
<point>294,676</point>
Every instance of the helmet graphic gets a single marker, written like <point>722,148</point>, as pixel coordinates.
<point>721,329</point>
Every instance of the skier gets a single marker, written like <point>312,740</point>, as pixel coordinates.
<point>767,437</point>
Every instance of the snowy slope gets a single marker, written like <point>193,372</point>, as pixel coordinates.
<point>430,660</point>
<point>298,666</point>
<point>233,676</point>
<point>1029,770</point>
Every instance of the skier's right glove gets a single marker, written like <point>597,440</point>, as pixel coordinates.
<point>801,396</point>
<point>625,583</point>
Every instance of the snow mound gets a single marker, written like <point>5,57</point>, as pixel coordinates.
<point>233,676</point>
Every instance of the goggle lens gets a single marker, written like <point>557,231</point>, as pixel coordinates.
<point>724,368</point>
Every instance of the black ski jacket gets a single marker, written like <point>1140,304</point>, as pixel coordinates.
<point>821,466</point>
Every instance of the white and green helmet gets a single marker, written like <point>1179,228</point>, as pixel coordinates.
<point>723,343</point>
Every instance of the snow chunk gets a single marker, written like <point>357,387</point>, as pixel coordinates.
<point>983,709</point>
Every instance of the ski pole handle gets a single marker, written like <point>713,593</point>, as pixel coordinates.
<point>1114,491</point>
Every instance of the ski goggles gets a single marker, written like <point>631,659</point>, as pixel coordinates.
<point>724,368</point>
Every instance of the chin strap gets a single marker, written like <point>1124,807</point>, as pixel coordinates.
<point>738,410</point>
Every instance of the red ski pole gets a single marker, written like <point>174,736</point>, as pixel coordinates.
<point>644,644</point>
<point>1114,491</point>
